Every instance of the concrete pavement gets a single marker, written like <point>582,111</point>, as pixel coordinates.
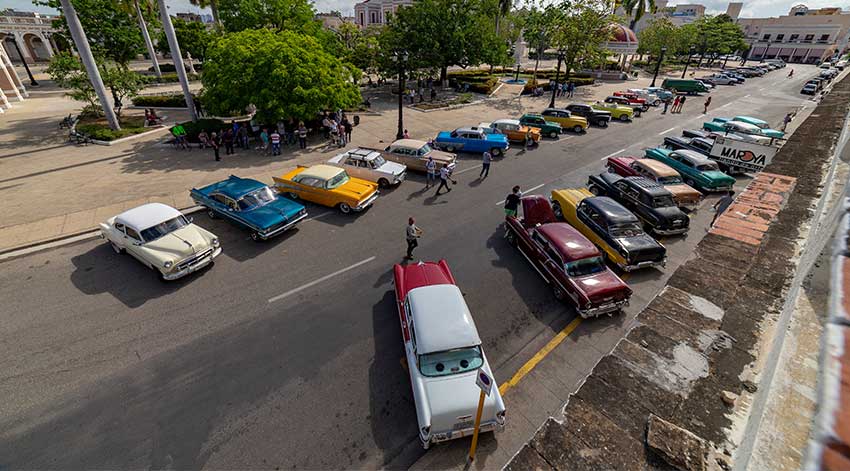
<point>103,366</point>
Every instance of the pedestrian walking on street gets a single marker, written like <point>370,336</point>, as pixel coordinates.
<point>302,135</point>
<point>707,104</point>
<point>444,179</point>
<point>787,119</point>
<point>228,141</point>
<point>275,138</point>
<point>334,130</point>
<point>215,144</point>
<point>722,204</point>
<point>485,165</point>
<point>571,89</point>
<point>682,103</point>
<point>675,104</point>
<point>431,171</point>
<point>412,234</point>
<point>666,105</point>
<point>512,201</point>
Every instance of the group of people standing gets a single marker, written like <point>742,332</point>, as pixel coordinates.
<point>567,89</point>
<point>337,128</point>
<point>677,104</point>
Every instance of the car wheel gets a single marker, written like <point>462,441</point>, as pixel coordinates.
<point>594,189</point>
<point>292,196</point>
<point>556,208</point>
<point>624,117</point>
<point>450,148</point>
<point>578,129</point>
<point>211,214</point>
<point>383,183</point>
<point>116,248</point>
<point>611,170</point>
<point>496,152</point>
<point>344,208</point>
<point>255,236</point>
<point>560,295</point>
<point>604,124</point>
<point>553,134</point>
<point>645,108</point>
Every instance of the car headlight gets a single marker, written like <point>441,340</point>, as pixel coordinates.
<point>168,264</point>
<point>214,242</point>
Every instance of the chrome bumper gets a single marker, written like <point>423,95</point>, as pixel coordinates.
<point>491,426</point>
<point>689,205</point>
<point>283,228</point>
<point>195,266</point>
<point>604,309</point>
<point>368,202</point>
<point>719,188</point>
<point>669,232</point>
<point>646,264</point>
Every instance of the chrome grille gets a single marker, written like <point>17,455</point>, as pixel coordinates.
<point>193,259</point>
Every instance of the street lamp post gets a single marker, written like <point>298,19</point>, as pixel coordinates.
<point>401,58</point>
<point>557,77</point>
<point>26,66</point>
<point>658,66</point>
<point>690,55</point>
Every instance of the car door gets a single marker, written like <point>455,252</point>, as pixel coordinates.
<point>218,203</point>
<point>132,242</point>
<point>540,247</point>
<point>473,142</point>
<point>353,166</point>
<point>309,188</point>
<point>620,190</point>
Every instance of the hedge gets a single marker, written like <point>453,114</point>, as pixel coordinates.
<point>101,132</point>
<point>208,125</point>
<point>168,78</point>
<point>168,67</point>
<point>577,81</point>
<point>167,101</point>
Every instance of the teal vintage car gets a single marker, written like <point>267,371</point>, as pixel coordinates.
<point>719,125</point>
<point>696,169</point>
<point>547,128</point>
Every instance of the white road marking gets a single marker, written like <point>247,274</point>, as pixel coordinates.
<point>320,215</point>
<point>612,154</point>
<point>525,193</point>
<point>746,96</point>
<point>476,167</point>
<point>324,278</point>
<point>665,132</point>
<point>724,106</point>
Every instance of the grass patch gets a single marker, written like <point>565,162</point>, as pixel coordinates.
<point>174,100</point>
<point>98,129</point>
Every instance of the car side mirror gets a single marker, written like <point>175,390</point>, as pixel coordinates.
<point>191,219</point>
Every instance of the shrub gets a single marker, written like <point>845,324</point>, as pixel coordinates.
<point>96,128</point>
<point>168,78</point>
<point>577,81</point>
<point>168,67</point>
<point>208,125</point>
<point>168,101</point>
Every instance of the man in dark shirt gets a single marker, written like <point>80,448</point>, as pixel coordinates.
<point>512,201</point>
<point>722,204</point>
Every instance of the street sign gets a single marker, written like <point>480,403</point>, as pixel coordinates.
<point>484,381</point>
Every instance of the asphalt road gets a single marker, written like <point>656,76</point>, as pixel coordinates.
<point>288,353</point>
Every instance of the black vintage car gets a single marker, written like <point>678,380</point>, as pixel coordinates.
<point>697,144</point>
<point>649,200</point>
<point>697,133</point>
<point>623,101</point>
<point>593,116</point>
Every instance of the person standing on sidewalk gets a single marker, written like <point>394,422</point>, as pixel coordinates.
<point>228,137</point>
<point>264,142</point>
<point>787,119</point>
<point>722,204</point>
<point>512,201</point>
<point>215,143</point>
<point>275,138</point>
<point>444,179</point>
<point>431,171</point>
<point>706,105</point>
<point>302,135</point>
<point>412,235</point>
<point>486,159</point>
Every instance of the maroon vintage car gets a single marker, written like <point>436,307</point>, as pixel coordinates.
<point>622,166</point>
<point>570,263</point>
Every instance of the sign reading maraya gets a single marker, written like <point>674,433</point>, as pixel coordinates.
<point>747,156</point>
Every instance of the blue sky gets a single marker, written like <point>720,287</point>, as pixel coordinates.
<point>752,8</point>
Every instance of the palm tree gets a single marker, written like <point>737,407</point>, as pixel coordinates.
<point>134,7</point>
<point>636,8</point>
<point>82,45</point>
<point>213,7</point>
<point>176,56</point>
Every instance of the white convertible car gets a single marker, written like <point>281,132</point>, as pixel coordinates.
<point>162,238</point>
<point>443,354</point>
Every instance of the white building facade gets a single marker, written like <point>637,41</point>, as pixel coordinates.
<point>376,12</point>
<point>803,36</point>
<point>678,15</point>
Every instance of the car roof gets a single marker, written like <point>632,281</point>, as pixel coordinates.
<point>409,143</point>
<point>468,129</point>
<point>235,187</point>
<point>612,211</point>
<point>568,241</point>
<point>532,115</point>
<point>363,154</point>
<point>321,171</point>
<point>651,187</point>
<point>147,215</point>
<point>748,119</point>
<point>441,319</point>
<point>507,121</point>
<point>659,168</point>
<point>693,156</point>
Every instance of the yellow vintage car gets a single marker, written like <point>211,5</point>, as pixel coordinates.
<point>566,119</point>
<point>514,131</point>
<point>329,186</point>
<point>612,227</point>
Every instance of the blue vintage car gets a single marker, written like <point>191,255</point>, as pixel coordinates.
<point>250,204</point>
<point>472,140</point>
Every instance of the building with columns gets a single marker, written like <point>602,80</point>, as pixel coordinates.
<point>11,87</point>
<point>376,12</point>
<point>803,35</point>
<point>27,36</point>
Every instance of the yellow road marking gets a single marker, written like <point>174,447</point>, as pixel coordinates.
<point>540,355</point>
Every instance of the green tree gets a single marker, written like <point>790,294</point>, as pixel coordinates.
<point>68,72</point>
<point>284,74</point>
<point>122,82</point>
<point>659,33</point>
<point>636,8</point>
<point>279,15</point>
<point>580,29</point>
<point>716,35</point>
<point>361,47</point>
<point>193,37</point>
<point>112,33</point>
<point>537,28</point>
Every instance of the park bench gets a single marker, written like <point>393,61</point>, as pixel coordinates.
<point>67,122</point>
<point>78,137</point>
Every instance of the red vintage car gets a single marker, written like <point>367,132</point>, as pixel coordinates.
<point>569,263</point>
<point>622,166</point>
<point>632,97</point>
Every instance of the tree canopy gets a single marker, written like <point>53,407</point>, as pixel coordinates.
<point>194,38</point>
<point>284,74</point>
<point>580,29</point>
<point>279,15</point>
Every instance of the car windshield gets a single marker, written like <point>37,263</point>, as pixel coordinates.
<point>630,229</point>
<point>379,161</point>
<point>424,150</point>
<point>672,180</point>
<point>256,198</point>
<point>337,180</point>
<point>662,201</point>
<point>585,266</point>
<point>451,362</point>
<point>708,167</point>
<point>163,228</point>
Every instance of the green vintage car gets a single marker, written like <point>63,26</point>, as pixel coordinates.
<point>761,124</point>
<point>623,113</point>
<point>696,169</point>
<point>547,128</point>
<point>746,131</point>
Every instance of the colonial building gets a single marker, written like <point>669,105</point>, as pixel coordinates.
<point>804,35</point>
<point>376,12</point>
<point>27,36</point>
<point>11,87</point>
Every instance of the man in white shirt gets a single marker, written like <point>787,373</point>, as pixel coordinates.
<point>412,234</point>
<point>431,170</point>
<point>444,179</point>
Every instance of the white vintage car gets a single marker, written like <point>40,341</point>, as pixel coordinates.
<point>370,165</point>
<point>162,238</point>
<point>443,354</point>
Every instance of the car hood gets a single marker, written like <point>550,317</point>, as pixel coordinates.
<point>276,212</point>
<point>599,286</point>
<point>441,156</point>
<point>392,168</point>
<point>773,133</point>
<point>718,178</point>
<point>453,399</point>
<point>356,189</point>
<point>641,248</point>
<point>682,192</point>
<point>179,244</point>
<point>671,213</point>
